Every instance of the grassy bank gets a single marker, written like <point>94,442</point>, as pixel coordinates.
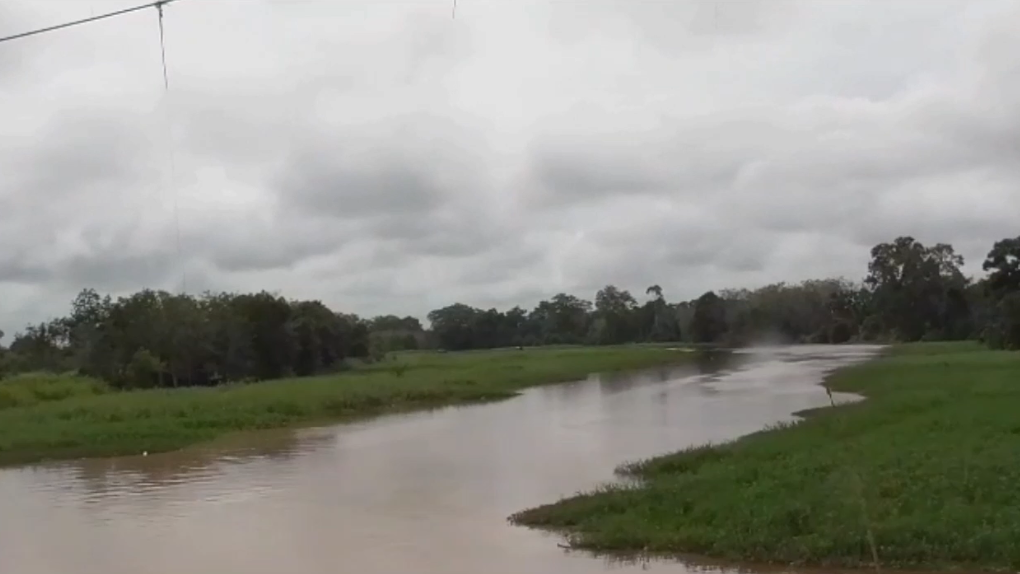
<point>49,417</point>
<point>928,468</point>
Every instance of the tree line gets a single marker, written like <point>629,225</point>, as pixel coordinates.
<point>911,292</point>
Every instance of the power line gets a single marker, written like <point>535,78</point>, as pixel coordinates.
<point>170,145</point>
<point>162,46</point>
<point>157,5</point>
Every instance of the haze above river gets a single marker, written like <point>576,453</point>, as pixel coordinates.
<point>421,493</point>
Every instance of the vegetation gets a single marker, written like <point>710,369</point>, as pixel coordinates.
<point>155,370</point>
<point>156,339</point>
<point>64,416</point>
<point>926,468</point>
<point>29,389</point>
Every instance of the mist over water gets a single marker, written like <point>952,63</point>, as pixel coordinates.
<point>424,492</point>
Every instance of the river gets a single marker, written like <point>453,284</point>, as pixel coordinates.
<point>425,492</point>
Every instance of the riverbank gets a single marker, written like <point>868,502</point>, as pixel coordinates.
<point>921,475</point>
<point>59,417</point>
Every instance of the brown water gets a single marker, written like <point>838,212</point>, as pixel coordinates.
<point>420,493</point>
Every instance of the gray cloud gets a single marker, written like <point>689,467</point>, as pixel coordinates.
<point>78,155</point>
<point>342,186</point>
<point>63,183</point>
<point>599,172</point>
<point>19,268</point>
<point>675,156</point>
<point>404,164</point>
<point>385,158</point>
<point>116,271</point>
<point>255,246</point>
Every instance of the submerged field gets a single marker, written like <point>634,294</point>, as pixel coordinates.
<point>921,475</point>
<point>53,416</point>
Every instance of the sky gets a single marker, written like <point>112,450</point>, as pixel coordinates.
<point>385,157</point>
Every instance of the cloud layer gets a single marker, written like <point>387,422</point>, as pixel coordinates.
<point>387,158</point>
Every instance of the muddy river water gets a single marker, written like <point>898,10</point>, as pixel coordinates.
<point>419,493</point>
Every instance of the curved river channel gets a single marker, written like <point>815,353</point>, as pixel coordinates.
<point>418,493</point>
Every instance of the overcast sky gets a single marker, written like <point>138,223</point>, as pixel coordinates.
<point>384,157</point>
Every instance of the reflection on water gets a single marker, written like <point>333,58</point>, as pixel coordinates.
<point>102,477</point>
<point>705,363</point>
<point>422,492</point>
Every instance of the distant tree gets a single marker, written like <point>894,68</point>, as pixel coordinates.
<point>1003,262</point>
<point>143,371</point>
<point>997,298</point>
<point>1003,332</point>
<point>394,323</point>
<point>656,319</point>
<point>708,324</point>
<point>614,314</point>
<point>155,338</point>
<point>454,326</point>
<point>562,319</point>
<point>655,291</point>
<point>912,285</point>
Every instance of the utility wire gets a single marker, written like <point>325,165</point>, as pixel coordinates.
<point>170,144</point>
<point>158,5</point>
<point>162,46</point>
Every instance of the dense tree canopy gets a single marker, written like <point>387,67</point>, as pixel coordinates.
<point>153,338</point>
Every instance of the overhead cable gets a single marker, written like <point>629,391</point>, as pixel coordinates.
<point>157,5</point>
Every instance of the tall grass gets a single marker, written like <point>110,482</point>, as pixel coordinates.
<point>62,416</point>
<point>921,475</point>
<point>33,388</point>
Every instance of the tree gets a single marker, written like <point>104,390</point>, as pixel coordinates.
<point>1003,261</point>
<point>1003,332</point>
<point>454,326</point>
<point>392,333</point>
<point>1000,305</point>
<point>144,371</point>
<point>155,338</point>
<point>910,285</point>
<point>655,291</point>
<point>42,347</point>
<point>383,323</point>
<point>708,324</point>
<point>614,316</point>
<point>656,318</point>
<point>319,341</point>
<point>562,319</point>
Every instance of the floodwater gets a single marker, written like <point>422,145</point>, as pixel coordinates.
<point>418,493</point>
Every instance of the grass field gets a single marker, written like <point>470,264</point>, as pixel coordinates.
<point>51,416</point>
<point>924,474</point>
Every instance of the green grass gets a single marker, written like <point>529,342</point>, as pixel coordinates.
<point>928,467</point>
<point>54,417</point>
<point>33,388</point>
